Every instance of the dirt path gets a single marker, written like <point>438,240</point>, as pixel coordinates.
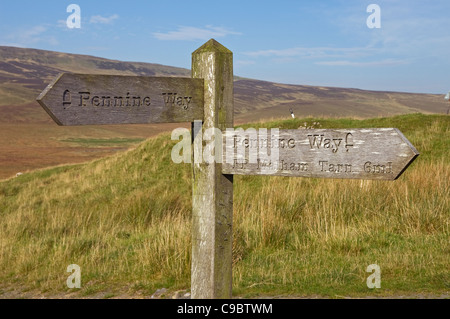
<point>23,293</point>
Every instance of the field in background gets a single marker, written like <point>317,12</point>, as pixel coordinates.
<point>28,146</point>
<point>30,140</point>
<point>125,220</point>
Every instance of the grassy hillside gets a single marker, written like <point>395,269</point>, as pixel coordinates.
<point>125,220</point>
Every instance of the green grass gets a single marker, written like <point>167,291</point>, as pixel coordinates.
<point>126,221</point>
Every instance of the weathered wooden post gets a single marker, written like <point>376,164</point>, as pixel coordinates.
<point>212,198</point>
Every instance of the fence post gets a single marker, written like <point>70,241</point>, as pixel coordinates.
<point>212,198</point>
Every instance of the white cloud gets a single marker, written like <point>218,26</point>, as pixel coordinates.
<point>411,30</point>
<point>386,62</point>
<point>32,36</point>
<point>103,20</point>
<point>409,34</point>
<point>35,31</point>
<point>61,24</point>
<point>244,62</point>
<point>193,33</point>
<point>314,52</point>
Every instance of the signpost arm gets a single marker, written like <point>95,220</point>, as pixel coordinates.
<point>212,200</point>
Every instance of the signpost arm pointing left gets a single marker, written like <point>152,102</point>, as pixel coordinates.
<point>40,99</point>
<point>88,99</point>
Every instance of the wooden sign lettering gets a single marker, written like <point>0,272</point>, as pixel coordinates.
<point>378,153</point>
<point>82,99</point>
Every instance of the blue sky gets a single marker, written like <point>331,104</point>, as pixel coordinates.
<point>326,43</point>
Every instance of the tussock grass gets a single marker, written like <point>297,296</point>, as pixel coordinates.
<point>126,221</point>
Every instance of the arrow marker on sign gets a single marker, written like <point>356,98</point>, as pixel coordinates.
<point>378,153</point>
<point>82,99</point>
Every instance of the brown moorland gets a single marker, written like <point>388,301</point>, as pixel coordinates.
<point>29,139</point>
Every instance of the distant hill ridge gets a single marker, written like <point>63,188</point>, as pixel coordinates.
<point>24,73</point>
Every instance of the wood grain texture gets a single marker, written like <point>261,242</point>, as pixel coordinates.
<point>82,99</point>
<point>212,199</point>
<point>379,153</point>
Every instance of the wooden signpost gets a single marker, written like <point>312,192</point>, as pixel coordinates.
<point>80,99</point>
<point>212,201</point>
<point>83,99</point>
